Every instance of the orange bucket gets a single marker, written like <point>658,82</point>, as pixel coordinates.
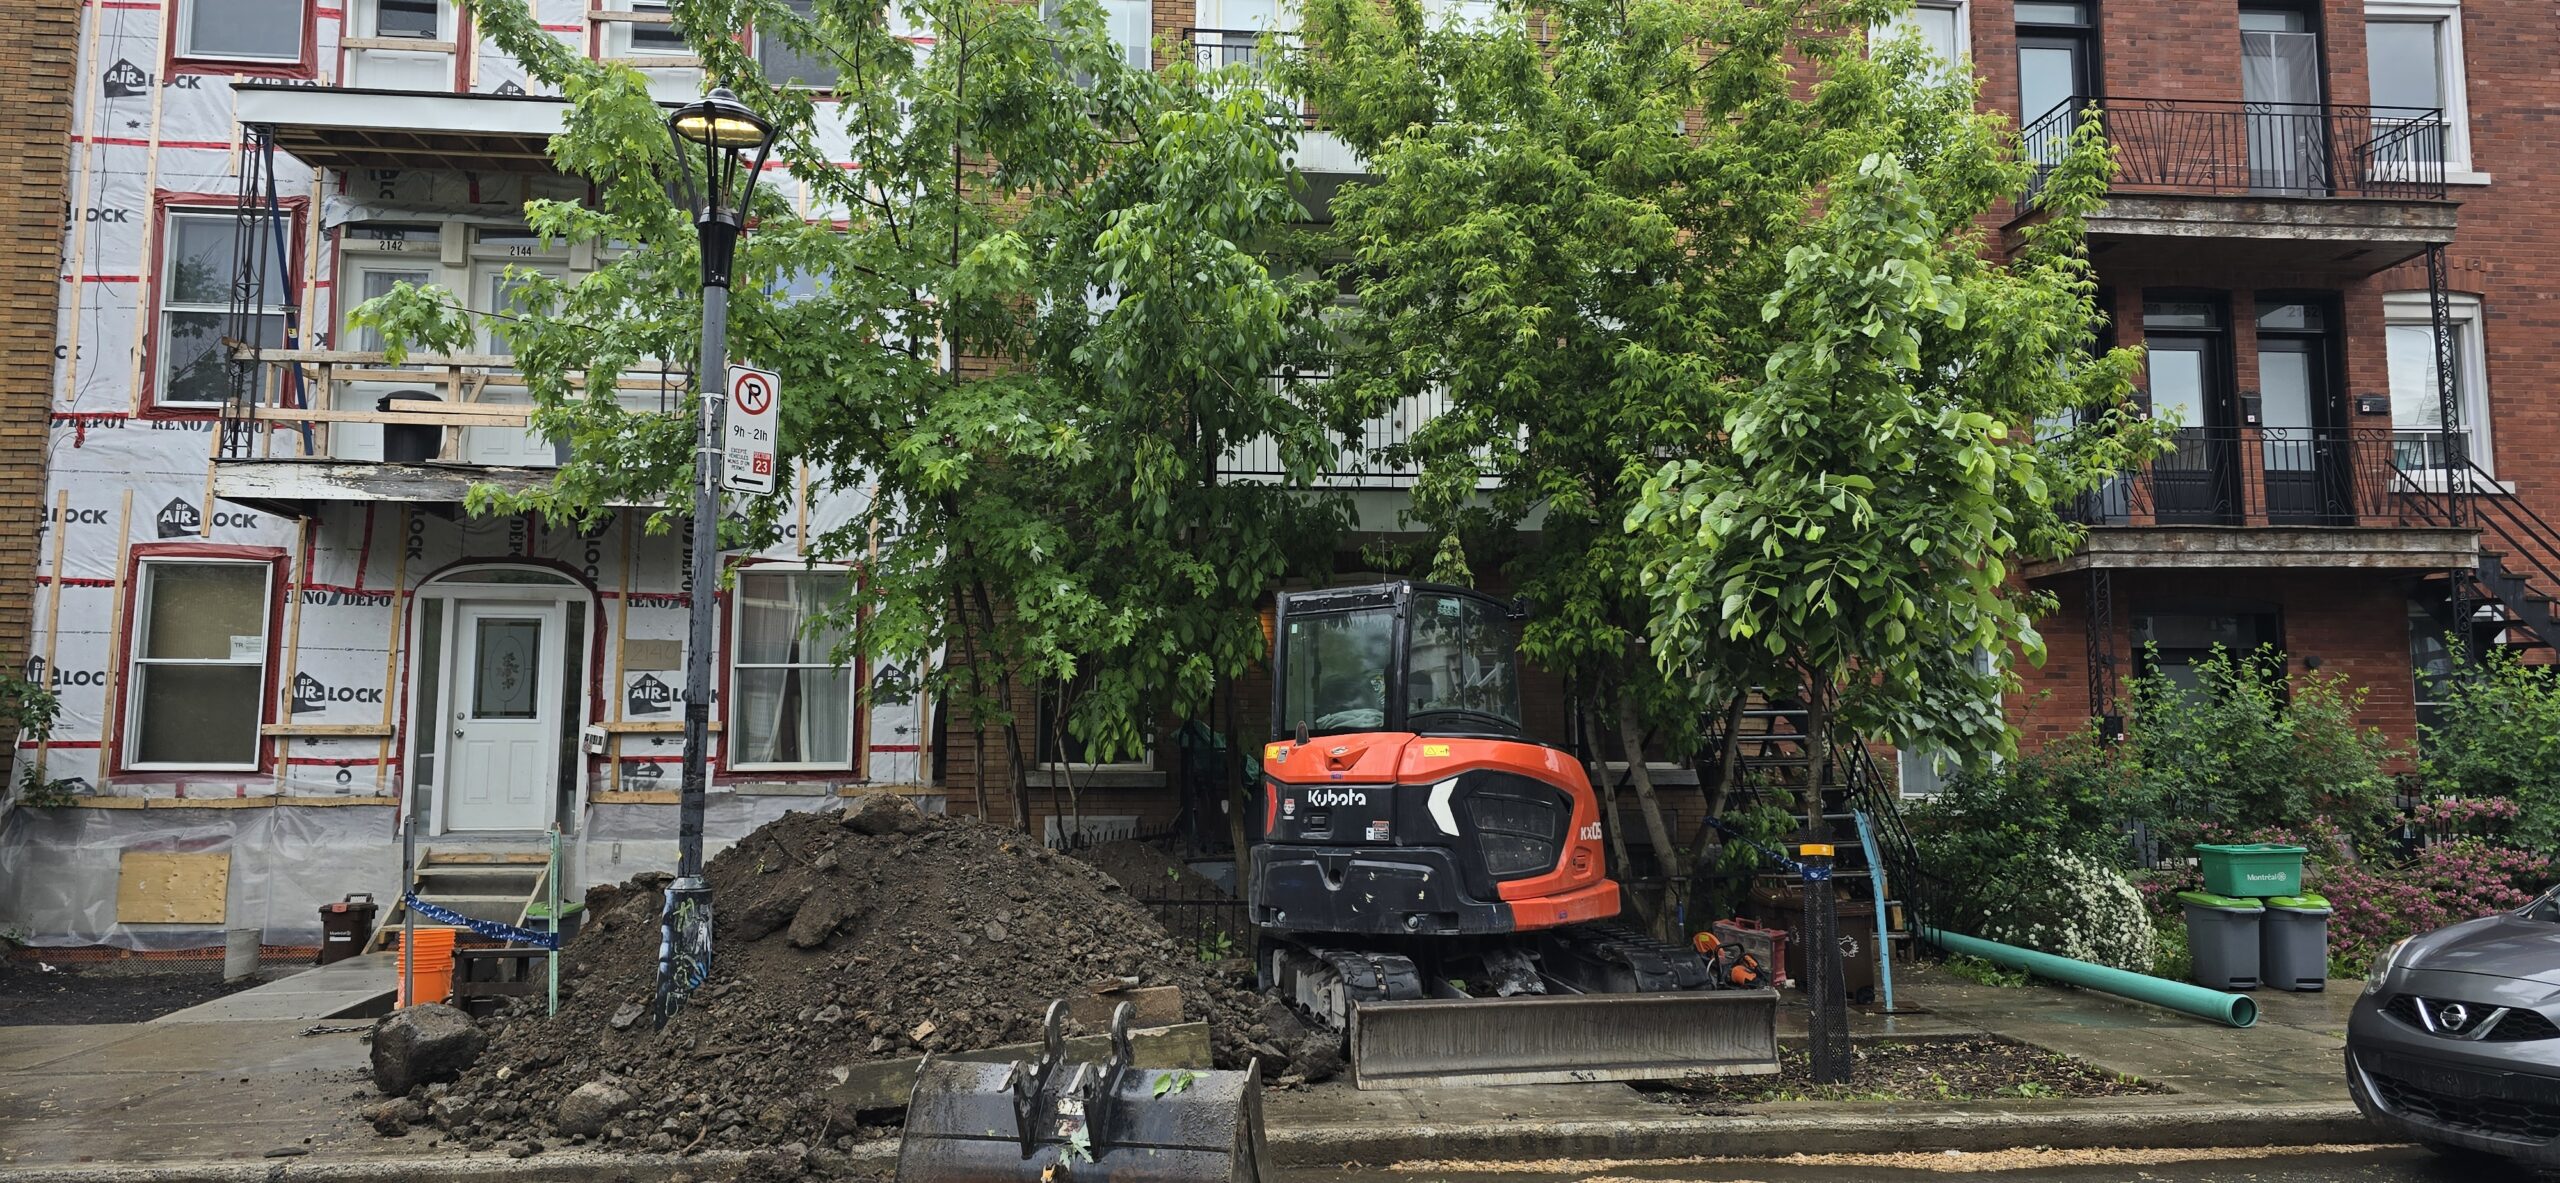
<point>435,966</point>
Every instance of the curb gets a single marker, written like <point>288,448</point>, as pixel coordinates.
<point>1886,1129</point>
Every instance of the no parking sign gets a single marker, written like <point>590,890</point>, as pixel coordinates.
<point>751,451</point>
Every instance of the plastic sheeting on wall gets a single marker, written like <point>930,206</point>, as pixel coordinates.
<point>59,868</point>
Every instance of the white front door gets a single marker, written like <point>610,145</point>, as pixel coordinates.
<point>502,770</point>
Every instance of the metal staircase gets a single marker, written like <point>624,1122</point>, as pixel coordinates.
<point>1773,759</point>
<point>2511,595</point>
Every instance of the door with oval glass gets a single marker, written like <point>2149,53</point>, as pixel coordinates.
<point>503,702</point>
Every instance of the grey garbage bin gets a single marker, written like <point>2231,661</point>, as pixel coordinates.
<point>2222,937</point>
<point>2293,943</point>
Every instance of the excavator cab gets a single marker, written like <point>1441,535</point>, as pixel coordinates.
<point>1401,793</point>
<point>1396,657</point>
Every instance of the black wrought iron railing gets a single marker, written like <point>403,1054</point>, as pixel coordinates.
<point>2231,148</point>
<point>2272,476</point>
<point>1219,49</point>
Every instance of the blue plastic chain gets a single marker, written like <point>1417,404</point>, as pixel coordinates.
<point>487,928</point>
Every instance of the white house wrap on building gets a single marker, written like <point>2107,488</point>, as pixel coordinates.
<point>276,632</point>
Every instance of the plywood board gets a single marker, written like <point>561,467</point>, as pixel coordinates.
<point>156,888</point>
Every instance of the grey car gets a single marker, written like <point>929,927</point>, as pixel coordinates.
<point>2456,1041</point>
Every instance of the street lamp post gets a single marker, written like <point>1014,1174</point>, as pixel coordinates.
<point>730,143</point>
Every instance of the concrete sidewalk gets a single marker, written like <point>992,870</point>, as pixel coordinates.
<point>212,1097</point>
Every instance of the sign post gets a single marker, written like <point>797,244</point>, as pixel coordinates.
<point>750,451</point>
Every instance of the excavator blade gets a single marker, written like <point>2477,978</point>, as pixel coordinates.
<point>1561,1039</point>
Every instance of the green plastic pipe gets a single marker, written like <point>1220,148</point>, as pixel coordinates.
<point>2236,1010</point>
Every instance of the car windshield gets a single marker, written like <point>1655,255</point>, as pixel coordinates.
<point>1337,670</point>
<point>1465,661</point>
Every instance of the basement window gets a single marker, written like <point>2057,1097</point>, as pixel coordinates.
<point>198,681</point>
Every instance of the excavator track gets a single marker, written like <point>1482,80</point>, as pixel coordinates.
<point>1327,983</point>
<point>1615,959</point>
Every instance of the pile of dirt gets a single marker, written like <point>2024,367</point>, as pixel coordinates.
<point>877,933</point>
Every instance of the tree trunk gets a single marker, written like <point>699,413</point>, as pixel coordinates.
<point>1729,760</point>
<point>1666,852</point>
<point>1609,823</point>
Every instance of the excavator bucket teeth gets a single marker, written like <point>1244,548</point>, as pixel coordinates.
<point>1555,1039</point>
<point>1059,1121</point>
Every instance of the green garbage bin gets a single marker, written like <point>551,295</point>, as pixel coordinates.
<point>2252,870</point>
<point>2222,937</point>
<point>2293,943</point>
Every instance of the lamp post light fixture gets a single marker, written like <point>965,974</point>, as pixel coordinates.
<point>720,150</point>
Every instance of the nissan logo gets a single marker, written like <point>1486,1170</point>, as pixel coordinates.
<point>2453,1016</point>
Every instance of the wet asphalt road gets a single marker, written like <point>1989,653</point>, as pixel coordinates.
<point>2368,1165</point>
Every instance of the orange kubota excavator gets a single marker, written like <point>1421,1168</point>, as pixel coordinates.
<point>1421,859</point>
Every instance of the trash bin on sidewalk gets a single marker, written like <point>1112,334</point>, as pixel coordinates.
<point>2293,943</point>
<point>2252,870</point>
<point>2222,937</point>
<point>345,926</point>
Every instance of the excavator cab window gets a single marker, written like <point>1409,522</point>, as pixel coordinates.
<point>1398,657</point>
<point>1464,668</point>
<point>1337,670</point>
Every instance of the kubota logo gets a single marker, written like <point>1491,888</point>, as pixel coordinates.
<point>1327,798</point>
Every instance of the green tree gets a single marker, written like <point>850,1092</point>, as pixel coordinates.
<point>1023,334</point>
<point>2243,743</point>
<point>2499,736</point>
<point>1707,293</point>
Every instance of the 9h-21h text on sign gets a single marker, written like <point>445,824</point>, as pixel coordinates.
<point>750,453</point>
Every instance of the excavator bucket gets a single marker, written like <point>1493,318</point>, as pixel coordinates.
<point>1053,1120</point>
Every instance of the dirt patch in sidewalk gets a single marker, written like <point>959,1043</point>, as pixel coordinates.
<point>38,993</point>
<point>1962,1069</point>
<point>840,939</point>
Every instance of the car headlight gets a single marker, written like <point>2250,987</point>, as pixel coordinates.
<point>2382,966</point>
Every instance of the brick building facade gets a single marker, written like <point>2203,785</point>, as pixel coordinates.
<point>2309,197</point>
<point>35,195</point>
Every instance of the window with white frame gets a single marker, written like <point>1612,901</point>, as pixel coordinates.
<point>784,64</point>
<point>790,704</point>
<point>1460,14</point>
<point>1131,24</point>
<point>2413,55</point>
<point>200,262</point>
<point>419,20</point>
<point>243,30</point>
<point>1942,27</point>
<point>196,690</point>
<point>1923,770</point>
<point>1058,745</point>
<point>656,37</point>
<point>2417,413</point>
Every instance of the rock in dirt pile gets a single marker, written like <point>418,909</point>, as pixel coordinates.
<point>875,933</point>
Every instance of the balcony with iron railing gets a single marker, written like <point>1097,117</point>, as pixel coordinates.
<point>2306,186</point>
<point>1371,457</point>
<point>2269,496</point>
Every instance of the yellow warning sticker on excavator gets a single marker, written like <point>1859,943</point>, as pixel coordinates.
<point>1435,749</point>
<point>1277,751</point>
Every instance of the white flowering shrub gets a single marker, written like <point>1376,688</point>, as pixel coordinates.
<point>2070,905</point>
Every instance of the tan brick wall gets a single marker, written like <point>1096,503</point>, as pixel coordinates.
<point>38,38</point>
